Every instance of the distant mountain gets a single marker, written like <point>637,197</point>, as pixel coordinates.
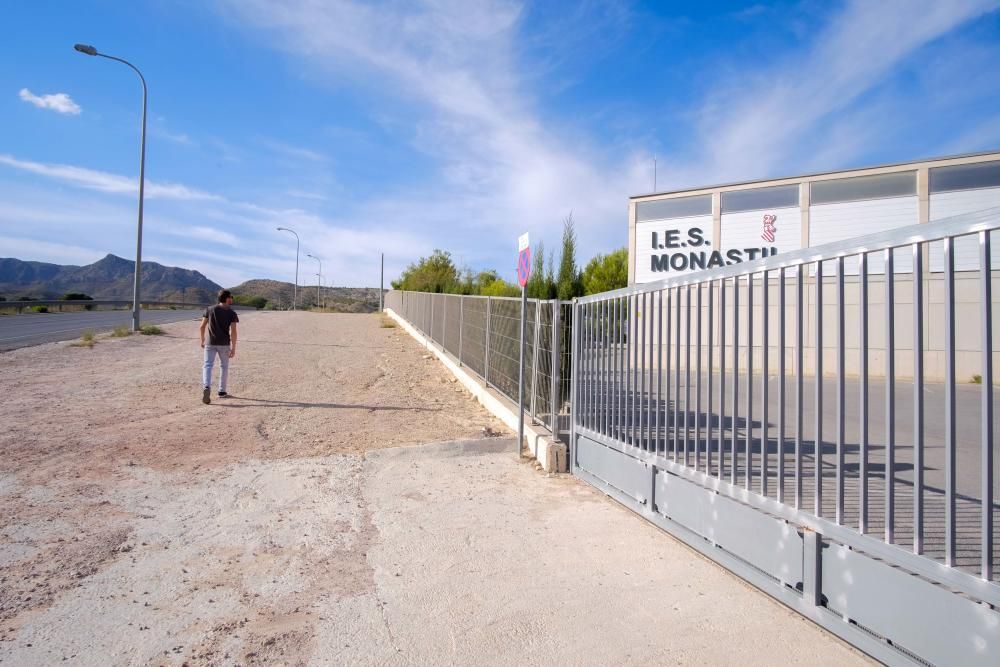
<point>107,278</point>
<point>341,299</point>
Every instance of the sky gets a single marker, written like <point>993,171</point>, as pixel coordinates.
<point>401,127</point>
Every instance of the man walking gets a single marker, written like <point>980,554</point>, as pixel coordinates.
<point>220,320</point>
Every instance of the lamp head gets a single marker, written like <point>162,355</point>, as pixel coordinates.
<point>86,48</point>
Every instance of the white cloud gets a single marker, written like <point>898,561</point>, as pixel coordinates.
<point>59,102</point>
<point>104,181</point>
<point>295,152</point>
<point>209,234</point>
<point>752,126</point>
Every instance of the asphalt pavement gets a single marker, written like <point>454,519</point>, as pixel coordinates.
<point>36,328</point>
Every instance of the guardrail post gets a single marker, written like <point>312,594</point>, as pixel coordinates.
<point>534,359</point>
<point>444,321</point>
<point>461,325</point>
<point>554,403</point>
<point>486,341</point>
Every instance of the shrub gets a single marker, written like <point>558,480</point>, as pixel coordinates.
<point>150,330</point>
<point>86,339</point>
<point>121,331</point>
<point>387,322</point>
<point>977,379</point>
<point>75,296</point>
<point>39,309</point>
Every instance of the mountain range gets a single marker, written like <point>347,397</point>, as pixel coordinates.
<point>111,278</point>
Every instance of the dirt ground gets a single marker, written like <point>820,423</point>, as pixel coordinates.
<point>289,525</point>
<point>92,435</point>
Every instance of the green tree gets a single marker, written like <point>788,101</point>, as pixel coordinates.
<point>500,287</point>
<point>257,302</point>
<point>75,296</point>
<point>536,287</point>
<point>606,272</point>
<point>568,283</point>
<point>436,273</point>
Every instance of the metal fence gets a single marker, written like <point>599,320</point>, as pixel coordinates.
<point>483,334</point>
<point>822,423</point>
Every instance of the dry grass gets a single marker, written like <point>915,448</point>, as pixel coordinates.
<point>86,339</point>
<point>387,322</point>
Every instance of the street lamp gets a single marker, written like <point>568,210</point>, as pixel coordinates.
<point>295,288</point>
<point>91,51</point>
<point>319,276</point>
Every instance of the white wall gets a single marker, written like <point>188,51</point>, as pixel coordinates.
<point>846,220</point>
<point>948,204</point>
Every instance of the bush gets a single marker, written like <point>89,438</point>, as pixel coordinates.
<point>39,309</point>
<point>387,322</point>
<point>150,330</point>
<point>121,331</point>
<point>75,296</point>
<point>257,302</point>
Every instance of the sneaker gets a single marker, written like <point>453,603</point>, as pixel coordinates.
<point>223,394</point>
<point>206,396</point>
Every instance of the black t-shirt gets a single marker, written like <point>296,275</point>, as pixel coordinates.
<point>219,319</point>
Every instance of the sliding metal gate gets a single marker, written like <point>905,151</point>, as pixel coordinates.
<point>822,424</point>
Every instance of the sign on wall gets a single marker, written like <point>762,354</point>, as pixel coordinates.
<point>666,248</point>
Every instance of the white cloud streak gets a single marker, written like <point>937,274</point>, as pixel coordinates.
<point>103,181</point>
<point>58,102</point>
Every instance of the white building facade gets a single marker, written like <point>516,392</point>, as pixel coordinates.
<point>678,232</point>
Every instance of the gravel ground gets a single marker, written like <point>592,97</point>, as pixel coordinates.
<point>287,525</point>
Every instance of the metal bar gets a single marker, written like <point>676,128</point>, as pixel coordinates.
<point>890,397</point>
<point>799,333</point>
<point>722,378</point>
<point>619,369</point>
<point>840,391</point>
<point>781,385</point>
<point>863,406</point>
<point>765,439</point>
<point>555,380</point>
<point>660,407</point>
<point>574,382</point>
<point>734,457</point>
<point>643,423</point>
<point>918,400</point>
<point>606,376</point>
<point>687,373</point>
<point>949,401</point>
<point>708,412</point>
<point>986,316</point>
<point>818,382</point>
<point>632,365</point>
<point>600,372</point>
<point>748,480</point>
<point>697,383</point>
<point>677,373</point>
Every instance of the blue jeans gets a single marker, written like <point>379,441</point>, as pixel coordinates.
<point>206,374</point>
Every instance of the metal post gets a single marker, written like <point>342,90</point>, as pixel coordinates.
<point>486,340</point>
<point>381,286</point>
<point>534,359</point>
<point>520,373</point>
<point>461,325</point>
<point>554,403</point>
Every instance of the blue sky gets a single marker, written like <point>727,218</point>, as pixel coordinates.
<point>400,127</point>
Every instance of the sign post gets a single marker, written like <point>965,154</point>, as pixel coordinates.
<point>523,271</point>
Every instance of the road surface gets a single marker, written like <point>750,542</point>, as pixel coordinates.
<point>35,328</point>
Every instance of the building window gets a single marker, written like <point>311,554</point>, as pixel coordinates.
<point>677,207</point>
<point>758,199</point>
<point>881,186</point>
<point>965,177</point>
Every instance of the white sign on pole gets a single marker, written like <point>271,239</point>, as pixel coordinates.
<point>522,242</point>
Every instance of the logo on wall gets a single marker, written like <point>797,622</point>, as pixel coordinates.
<point>769,228</point>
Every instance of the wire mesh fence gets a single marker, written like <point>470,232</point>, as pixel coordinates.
<point>483,334</point>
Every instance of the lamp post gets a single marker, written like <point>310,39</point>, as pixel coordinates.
<point>295,288</point>
<point>91,51</point>
<point>319,277</point>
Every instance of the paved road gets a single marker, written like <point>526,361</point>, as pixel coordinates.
<point>36,328</point>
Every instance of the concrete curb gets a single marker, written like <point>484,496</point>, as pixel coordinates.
<point>552,455</point>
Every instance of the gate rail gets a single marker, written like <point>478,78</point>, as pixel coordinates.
<point>800,419</point>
